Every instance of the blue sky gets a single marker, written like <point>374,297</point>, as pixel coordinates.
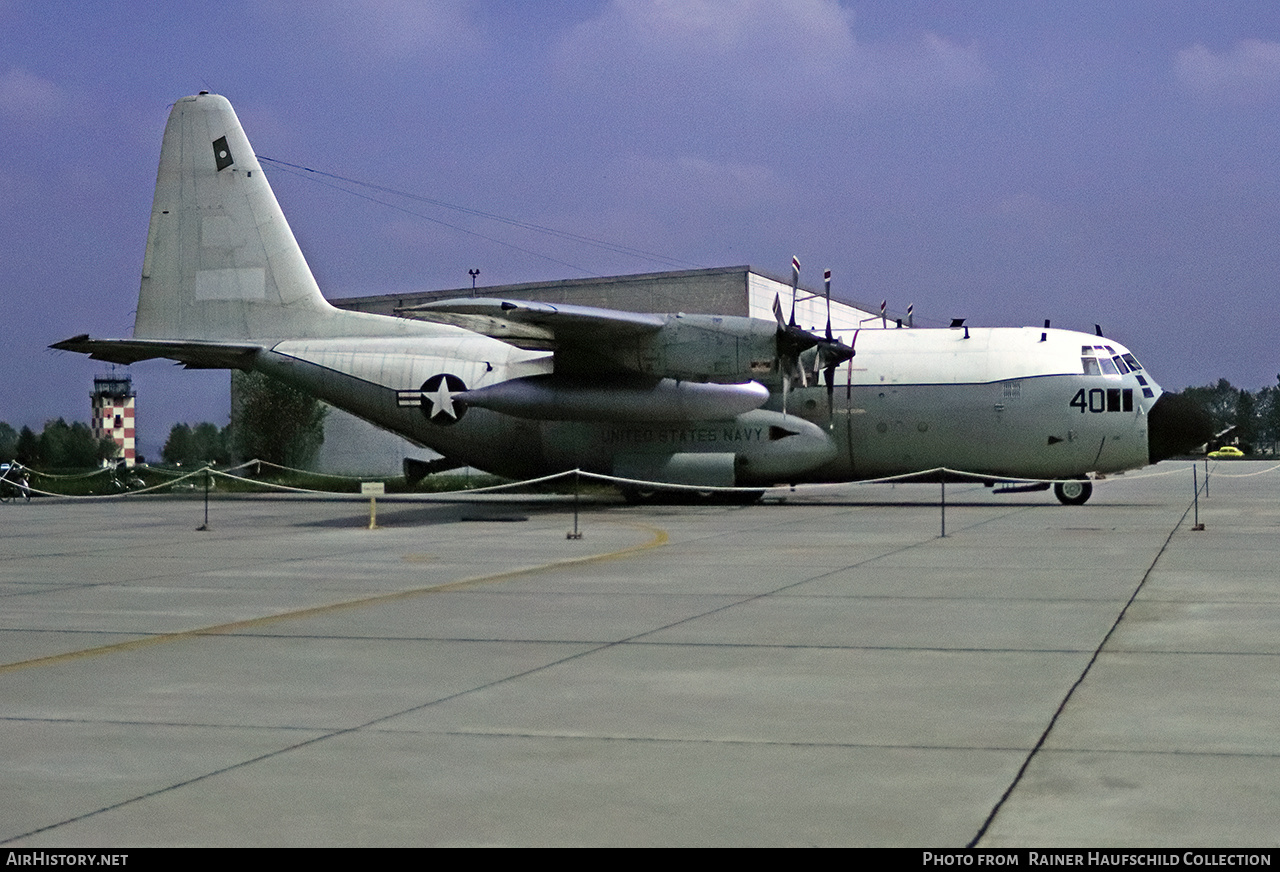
<point>1113,163</point>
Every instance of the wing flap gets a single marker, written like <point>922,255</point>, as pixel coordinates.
<point>521,319</point>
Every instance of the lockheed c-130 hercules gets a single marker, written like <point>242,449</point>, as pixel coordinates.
<point>704,400</point>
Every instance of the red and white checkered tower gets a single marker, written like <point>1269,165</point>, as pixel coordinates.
<point>113,408</point>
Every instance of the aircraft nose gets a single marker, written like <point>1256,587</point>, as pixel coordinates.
<point>1175,425</point>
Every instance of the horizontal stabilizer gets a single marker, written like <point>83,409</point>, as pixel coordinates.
<point>193,354</point>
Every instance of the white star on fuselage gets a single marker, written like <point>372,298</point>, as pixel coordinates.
<point>441,400</point>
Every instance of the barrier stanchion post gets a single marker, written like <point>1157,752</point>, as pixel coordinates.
<point>577,475</point>
<point>944,506</point>
<point>373,490</point>
<point>205,525</point>
<point>1195,487</point>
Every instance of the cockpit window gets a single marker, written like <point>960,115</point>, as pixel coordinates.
<point>1105,360</point>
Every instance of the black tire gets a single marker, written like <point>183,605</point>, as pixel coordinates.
<point>1073,493</point>
<point>680,497</point>
<point>639,496</point>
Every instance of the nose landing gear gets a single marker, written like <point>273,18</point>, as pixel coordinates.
<point>1073,493</point>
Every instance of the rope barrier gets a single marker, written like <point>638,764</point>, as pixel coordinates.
<point>929,476</point>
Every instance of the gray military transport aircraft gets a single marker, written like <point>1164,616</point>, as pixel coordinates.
<point>523,389</point>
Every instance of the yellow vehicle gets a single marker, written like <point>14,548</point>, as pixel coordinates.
<point>1225,452</point>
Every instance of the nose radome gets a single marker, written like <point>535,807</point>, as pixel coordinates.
<point>1175,425</point>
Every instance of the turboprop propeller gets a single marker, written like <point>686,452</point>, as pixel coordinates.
<point>802,354</point>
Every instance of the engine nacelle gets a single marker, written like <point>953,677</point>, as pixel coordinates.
<point>755,449</point>
<point>552,398</point>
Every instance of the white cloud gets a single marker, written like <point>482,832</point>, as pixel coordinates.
<point>390,29</point>
<point>26,96</point>
<point>770,50</point>
<point>1248,72</point>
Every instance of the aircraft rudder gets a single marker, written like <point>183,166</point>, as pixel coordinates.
<point>221,261</point>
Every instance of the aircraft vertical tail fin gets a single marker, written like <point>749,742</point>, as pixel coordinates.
<point>221,262</point>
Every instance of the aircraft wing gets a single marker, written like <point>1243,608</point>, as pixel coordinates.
<point>514,320</point>
<point>192,354</point>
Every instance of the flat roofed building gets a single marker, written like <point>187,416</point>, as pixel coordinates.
<point>730,290</point>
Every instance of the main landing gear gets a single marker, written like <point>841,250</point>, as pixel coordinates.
<point>1073,493</point>
<point>672,496</point>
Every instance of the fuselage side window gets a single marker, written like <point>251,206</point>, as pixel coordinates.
<point>1090,366</point>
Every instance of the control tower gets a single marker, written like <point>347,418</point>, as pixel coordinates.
<point>113,410</point>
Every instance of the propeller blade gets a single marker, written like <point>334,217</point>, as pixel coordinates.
<point>802,355</point>
<point>826,275</point>
<point>795,285</point>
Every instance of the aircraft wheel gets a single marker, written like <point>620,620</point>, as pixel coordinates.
<point>639,496</point>
<point>741,497</point>
<point>672,497</point>
<point>1073,493</point>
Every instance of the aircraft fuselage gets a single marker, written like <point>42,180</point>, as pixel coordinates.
<point>1001,402</point>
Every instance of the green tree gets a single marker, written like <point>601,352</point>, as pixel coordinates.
<point>1269,413</point>
<point>27,449</point>
<point>177,448</point>
<point>273,421</point>
<point>8,442</point>
<point>211,444</point>
<point>200,444</point>
<point>1246,421</point>
<point>63,445</point>
<point>1218,400</point>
